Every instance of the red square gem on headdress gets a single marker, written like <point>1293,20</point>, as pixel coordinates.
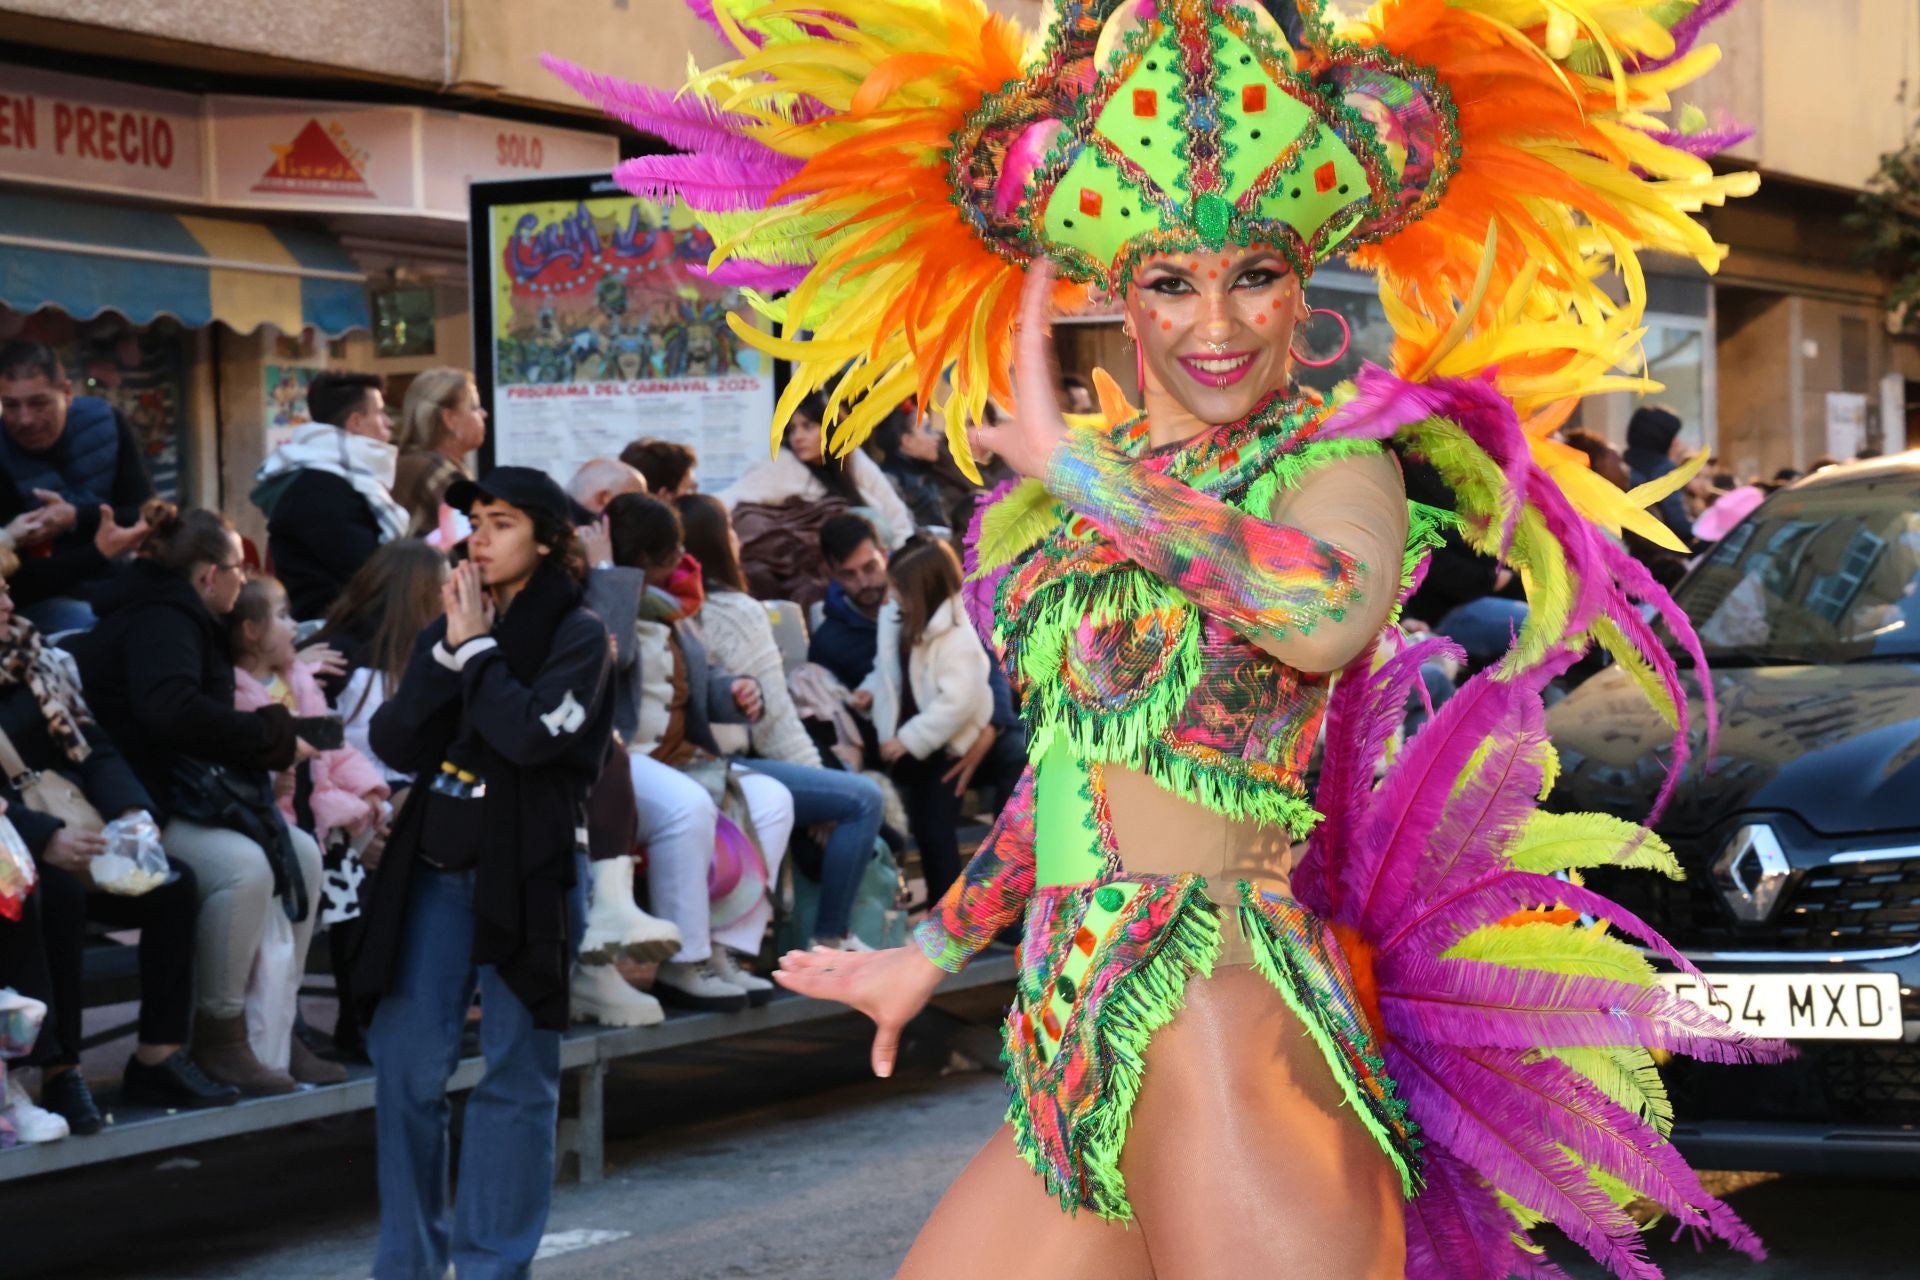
<point>1253,97</point>
<point>1090,202</point>
<point>1146,102</point>
<point>1324,177</point>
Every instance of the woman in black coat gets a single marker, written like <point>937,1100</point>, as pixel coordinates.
<point>160,679</point>
<point>49,729</point>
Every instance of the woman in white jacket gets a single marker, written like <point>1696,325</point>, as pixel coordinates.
<point>739,638</point>
<point>929,698</point>
<point>800,469</point>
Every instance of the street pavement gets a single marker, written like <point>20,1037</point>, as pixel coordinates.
<point>772,1158</point>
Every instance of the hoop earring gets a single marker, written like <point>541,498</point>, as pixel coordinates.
<point>1346,340</point>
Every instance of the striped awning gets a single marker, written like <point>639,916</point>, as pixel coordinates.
<point>88,258</point>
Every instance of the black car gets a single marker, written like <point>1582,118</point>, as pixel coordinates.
<point>1801,840</point>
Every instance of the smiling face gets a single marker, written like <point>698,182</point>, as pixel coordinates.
<point>1215,327</point>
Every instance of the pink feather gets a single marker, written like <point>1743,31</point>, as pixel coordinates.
<point>689,122</point>
<point>978,594</point>
<point>1492,1133</point>
<point>743,273</point>
<point>1456,1228</point>
<point>710,184</point>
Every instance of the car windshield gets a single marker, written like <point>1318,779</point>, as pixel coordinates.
<point>1829,573</point>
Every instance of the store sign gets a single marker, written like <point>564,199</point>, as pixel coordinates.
<point>277,153</point>
<point>101,135</point>
<point>269,152</point>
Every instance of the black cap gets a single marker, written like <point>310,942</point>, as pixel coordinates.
<point>528,488</point>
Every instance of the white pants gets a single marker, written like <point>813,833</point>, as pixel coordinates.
<point>677,820</point>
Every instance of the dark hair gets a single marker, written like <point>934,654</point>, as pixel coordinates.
<point>562,541</point>
<point>708,533</point>
<point>841,536</point>
<point>23,359</point>
<point>335,395</point>
<point>664,463</point>
<point>180,540</point>
<point>254,604</point>
<point>925,576</point>
<point>831,472</point>
<point>646,532</point>
<point>1074,382</point>
<point>387,604</point>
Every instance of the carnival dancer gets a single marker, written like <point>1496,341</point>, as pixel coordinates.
<point>1256,1046</point>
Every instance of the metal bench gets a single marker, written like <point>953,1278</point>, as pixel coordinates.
<point>588,1050</point>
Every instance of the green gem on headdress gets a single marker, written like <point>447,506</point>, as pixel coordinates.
<point>1213,215</point>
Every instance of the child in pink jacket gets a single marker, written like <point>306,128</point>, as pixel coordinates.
<point>348,788</point>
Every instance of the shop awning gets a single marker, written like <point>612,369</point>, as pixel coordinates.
<point>88,258</point>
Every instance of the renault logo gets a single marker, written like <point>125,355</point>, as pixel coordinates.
<point>1751,871</point>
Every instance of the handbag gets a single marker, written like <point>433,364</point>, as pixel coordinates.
<point>241,801</point>
<point>49,791</point>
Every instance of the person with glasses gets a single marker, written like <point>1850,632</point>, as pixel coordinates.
<point>160,680</point>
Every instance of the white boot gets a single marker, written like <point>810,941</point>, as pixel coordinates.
<point>32,1123</point>
<point>758,990</point>
<point>615,923</point>
<point>599,994</point>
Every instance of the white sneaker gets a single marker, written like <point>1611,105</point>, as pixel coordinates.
<point>32,1123</point>
<point>758,989</point>
<point>849,943</point>
<point>599,994</point>
<point>615,923</point>
<point>697,984</point>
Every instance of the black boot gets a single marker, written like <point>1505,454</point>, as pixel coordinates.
<point>67,1096</point>
<point>174,1084</point>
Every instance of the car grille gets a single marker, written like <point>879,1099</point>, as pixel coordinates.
<point>1875,1084</point>
<point>1853,906</point>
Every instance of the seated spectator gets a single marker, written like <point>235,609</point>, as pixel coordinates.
<point>374,624</point>
<point>328,492</point>
<point>601,480</point>
<point>669,467</point>
<point>929,699</point>
<point>681,781</point>
<point>80,460</point>
<point>932,485</point>
<point>1076,396</point>
<point>49,730</point>
<point>161,681</point>
<point>441,425</point>
<point>801,472</point>
<point>739,638</point>
<point>848,636</point>
<point>23,970</point>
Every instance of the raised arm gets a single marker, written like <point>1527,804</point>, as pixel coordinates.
<point>1311,584</point>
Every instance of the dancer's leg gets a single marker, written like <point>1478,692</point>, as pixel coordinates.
<point>1244,1160</point>
<point>998,1220</point>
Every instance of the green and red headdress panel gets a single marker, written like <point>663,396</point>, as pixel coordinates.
<point>1155,126</point>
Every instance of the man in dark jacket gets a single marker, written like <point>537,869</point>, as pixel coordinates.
<point>72,452</point>
<point>504,716</point>
<point>328,492</point>
<point>1651,433</point>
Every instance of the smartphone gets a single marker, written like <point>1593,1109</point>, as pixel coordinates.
<point>322,733</point>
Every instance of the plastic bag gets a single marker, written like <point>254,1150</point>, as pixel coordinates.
<point>133,862</point>
<point>18,875</point>
<point>273,993</point>
<point>20,1019</point>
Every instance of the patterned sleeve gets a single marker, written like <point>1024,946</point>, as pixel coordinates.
<point>991,892</point>
<point>1267,581</point>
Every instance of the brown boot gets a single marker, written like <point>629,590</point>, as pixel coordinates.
<point>308,1067</point>
<point>220,1049</point>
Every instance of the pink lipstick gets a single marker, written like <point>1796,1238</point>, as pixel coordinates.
<point>1218,370</point>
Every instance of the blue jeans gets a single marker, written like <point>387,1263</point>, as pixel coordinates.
<point>58,615</point>
<point>507,1148</point>
<point>853,805</point>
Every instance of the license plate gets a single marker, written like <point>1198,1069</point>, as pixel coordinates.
<point>1798,1006</point>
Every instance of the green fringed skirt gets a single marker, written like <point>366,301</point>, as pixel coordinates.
<point>1104,965</point>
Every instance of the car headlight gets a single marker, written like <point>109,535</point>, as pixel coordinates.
<point>1751,871</point>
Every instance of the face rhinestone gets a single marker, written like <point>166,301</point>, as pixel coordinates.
<point>1089,202</point>
<point>1324,178</point>
<point>1253,97</point>
<point>1146,103</point>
